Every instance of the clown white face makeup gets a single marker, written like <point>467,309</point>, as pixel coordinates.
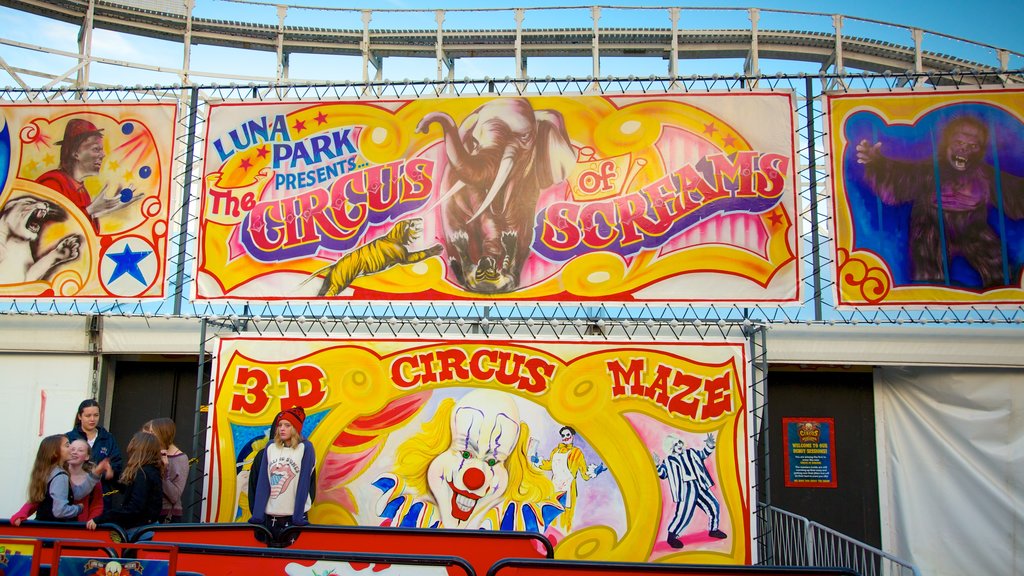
<point>470,477</point>
<point>566,435</point>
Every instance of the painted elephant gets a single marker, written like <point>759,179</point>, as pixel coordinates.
<point>499,159</point>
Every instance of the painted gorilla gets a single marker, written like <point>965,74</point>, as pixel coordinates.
<point>967,186</point>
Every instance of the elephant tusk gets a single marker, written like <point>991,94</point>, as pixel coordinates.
<point>459,185</point>
<point>500,180</point>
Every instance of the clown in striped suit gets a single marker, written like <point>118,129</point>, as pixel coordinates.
<point>690,486</point>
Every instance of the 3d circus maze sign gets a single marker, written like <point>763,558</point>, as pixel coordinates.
<point>615,451</point>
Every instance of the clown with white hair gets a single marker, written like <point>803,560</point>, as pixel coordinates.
<point>690,485</point>
<point>468,468</point>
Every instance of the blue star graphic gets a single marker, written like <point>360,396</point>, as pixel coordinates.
<point>127,262</point>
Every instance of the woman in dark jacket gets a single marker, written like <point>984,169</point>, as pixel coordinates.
<point>143,486</point>
<point>104,446</point>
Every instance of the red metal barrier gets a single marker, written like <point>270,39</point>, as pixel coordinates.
<point>110,533</point>
<point>248,561</point>
<point>480,548</point>
<point>20,556</point>
<point>79,558</point>
<point>229,534</point>
<point>514,567</point>
<point>49,533</point>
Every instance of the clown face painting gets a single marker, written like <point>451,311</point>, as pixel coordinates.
<point>470,477</point>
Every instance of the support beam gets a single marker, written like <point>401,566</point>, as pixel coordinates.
<point>439,44</point>
<point>378,65</point>
<point>66,75</point>
<point>752,65</point>
<point>282,59</point>
<point>186,58</point>
<point>14,74</point>
<point>837,23</point>
<point>595,13</point>
<point>85,47</point>
<point>450,78</point>
<point>673,51</point>
<point>364,45</point>
<point>520,15</point>
<point>916,34</point>
<point>1004,64</point>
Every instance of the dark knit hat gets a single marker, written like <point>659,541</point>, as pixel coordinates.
<point>295,415</point>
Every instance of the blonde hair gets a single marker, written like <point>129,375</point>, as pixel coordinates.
<point>47,457</point>
<point>414,456</point>
<point>164,429</point>
<point>88,465</point>
<point>293,443</point>
<point>143,449</point>
<point>526,482</point>
<point>296,435</point>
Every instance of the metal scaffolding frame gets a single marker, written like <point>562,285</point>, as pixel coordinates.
<point>647,319</point>
<point>350,32</point>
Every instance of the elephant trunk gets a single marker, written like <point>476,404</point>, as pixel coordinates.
<point>477,167</point>
<point>453,146</point>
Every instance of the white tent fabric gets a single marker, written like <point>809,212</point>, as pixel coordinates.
<point>951,468</point>
<point>41,393</point>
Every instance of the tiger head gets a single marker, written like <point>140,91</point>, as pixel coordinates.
<point>405,231</point>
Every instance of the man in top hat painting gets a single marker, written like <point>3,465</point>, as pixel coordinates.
<point>690,485</point>
<point>81,155</point>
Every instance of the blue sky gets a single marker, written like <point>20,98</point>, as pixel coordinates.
<point>992,22</point>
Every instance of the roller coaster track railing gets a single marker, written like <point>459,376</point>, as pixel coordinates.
<point>831,48</point>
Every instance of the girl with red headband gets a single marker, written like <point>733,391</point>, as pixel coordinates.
<point>282,496</point>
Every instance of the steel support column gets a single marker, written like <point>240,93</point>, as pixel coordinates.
<point>186,58</point>
<point>85,47</point>
<point>673,55</point>
<point>752,65</point>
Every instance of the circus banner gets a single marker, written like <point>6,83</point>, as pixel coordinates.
<point>627,198</point>
<point>617,451</point>
<point>928,197</point>
<point>85,200</point>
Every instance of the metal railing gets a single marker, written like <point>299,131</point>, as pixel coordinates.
<point>786,539</point>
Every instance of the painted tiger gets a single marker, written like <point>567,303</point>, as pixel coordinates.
<point>376,256</point>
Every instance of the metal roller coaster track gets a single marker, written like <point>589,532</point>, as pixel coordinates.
<point>833,50</point>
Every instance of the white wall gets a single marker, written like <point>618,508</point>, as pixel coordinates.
<point>65,380</point>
